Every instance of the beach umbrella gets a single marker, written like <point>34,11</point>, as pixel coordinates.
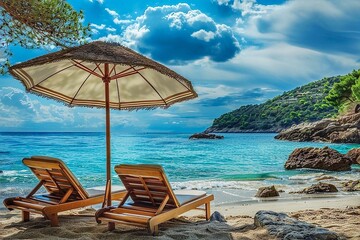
<point>105,75</point>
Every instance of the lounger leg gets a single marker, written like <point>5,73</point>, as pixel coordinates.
<point>111,226</point>
<point>207,209</point>
<point>54,221</point>
<point>154,230</point>
<point>25,216</point>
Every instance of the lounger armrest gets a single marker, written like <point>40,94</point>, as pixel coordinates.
<point>8,202</point>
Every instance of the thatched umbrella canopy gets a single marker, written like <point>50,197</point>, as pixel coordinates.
<point>72,76</point>
<point>101,74</point>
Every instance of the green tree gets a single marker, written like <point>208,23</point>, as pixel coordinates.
<point>356,89</point>
<point>38,23</point>
<point>342,92</point>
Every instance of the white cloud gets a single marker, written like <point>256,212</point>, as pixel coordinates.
<point>111,29</point>
<point>120,21</point>
<point>112,12</point>
<point>100,27</point>
<point>216,92</point>
<point>165,115</point>
<point>223,2</point>
<point>247,7</point>
<point>181,24</point>
<point>203,35</point>
<point>112,38</point>
<point>18,108</point>
<point>99,1</point>
<point>327,26</point>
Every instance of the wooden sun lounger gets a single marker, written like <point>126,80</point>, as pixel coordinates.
<point>64,191</point>
<point>153,200</point>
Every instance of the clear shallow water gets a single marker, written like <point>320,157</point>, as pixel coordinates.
<point>240,161</point>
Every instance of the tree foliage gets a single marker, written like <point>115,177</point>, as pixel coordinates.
<point>345,91</point>
<point>36,23</point>
<point>356,89</point>
<point>303,104</point>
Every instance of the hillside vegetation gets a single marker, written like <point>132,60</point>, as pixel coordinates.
<point>303,104</point>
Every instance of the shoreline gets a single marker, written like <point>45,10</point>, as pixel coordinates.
<point>80,224</point>
<point>289,205</point>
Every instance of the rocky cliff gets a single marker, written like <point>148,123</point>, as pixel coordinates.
<point>345,129</point>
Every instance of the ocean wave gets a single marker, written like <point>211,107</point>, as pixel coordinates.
<point>215,184</point>
<point>306,176</point>
<point>14,173</point>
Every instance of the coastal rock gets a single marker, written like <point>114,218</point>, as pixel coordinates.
<point>318,158</point>
<point>205,136</point>
<point>345,129</point>
<point>284,227</point>
<point>354,155</point>
<point>216,216</point>
<point>319,188</point>
<point>352,186</point>
<point>267,192</point>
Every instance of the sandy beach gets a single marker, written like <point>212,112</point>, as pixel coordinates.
<point>339,214</point>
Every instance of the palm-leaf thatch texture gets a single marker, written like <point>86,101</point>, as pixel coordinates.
<point>75,76</point>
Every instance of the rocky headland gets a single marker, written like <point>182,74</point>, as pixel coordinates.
<point>345,129</point>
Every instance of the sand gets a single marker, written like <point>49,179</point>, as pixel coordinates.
<point>341,215</point>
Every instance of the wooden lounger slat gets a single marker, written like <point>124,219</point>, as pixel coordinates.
<point>60,178</point>
<point>24,209</point>
<point>134,211</point>
<point>147,208</point>
<point>126,217</point>
<point>151,187</point>
<point>41,199</point>
<point>28,205</point>
<point>122,222</point>
<point>30,200</point>
<point>65,192</point>
<point>152,183</point>
<point>145,199</point>
<point>152,197</point>
<point>153,193</point>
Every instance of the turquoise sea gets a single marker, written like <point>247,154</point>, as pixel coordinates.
<point>240,162</point>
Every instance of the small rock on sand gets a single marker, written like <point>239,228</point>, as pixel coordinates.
<point>216,216</point>
<point>319,188</point>
<point>352,186</point>
<point>267,192</point>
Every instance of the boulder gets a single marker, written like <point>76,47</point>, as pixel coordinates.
<point>205,136</point>
<point>319,188</point>
<point>345,129</point>
<point>267,192</point>
<point>354,155</point>
<point>284,227</point>
<point>318,158</point>
<point>351,186</point>
<point>216,216</point>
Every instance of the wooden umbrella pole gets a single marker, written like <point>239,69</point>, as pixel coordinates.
<point>108,147</point>
<point>106,79</point>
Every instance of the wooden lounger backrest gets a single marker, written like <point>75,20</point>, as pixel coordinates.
<point>147,184</point>
<point>56,177</point>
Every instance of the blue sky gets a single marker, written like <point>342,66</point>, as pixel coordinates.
<point>235,52</point>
